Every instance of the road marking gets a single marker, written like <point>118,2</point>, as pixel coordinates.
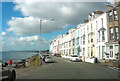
<point>114,68</point>
<point>21,74</point>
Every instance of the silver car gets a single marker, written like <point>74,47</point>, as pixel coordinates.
<point>49,59</point>
<point>74,58</point>
<point>7,73</point>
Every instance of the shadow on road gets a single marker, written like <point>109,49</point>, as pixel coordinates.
<point>50,62</point>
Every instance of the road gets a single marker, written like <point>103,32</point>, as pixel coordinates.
<point>64,69</point>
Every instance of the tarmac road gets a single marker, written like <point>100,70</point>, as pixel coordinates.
<point>65,69</point>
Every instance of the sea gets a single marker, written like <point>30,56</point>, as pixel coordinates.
<point>15,56</point>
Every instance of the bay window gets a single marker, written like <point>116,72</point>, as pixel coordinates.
<point>115,15</point>
<point>111,34</point>
<point>103,36</point>
<point>116,33</point>
<point>110,16</point>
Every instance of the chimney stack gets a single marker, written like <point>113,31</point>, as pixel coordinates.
<point>86,20</point>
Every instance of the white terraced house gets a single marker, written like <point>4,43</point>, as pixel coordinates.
<point>97,37</point>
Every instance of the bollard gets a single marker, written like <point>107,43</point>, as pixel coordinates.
<point>10,62</point>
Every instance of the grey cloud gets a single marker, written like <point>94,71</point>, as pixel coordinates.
<point>64,13</point>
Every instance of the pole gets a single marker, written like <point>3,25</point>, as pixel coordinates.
<point>40,44</point>
<point>40,34</point>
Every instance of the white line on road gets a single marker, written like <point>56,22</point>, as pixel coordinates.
<point>114,68</point>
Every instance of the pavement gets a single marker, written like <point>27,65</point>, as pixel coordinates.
<point>65,69</point>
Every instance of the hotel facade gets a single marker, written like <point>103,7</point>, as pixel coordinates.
<point>97,37</point>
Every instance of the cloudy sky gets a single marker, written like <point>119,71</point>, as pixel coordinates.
<point>21,26</point>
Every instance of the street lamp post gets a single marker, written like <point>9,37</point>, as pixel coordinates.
<point>40,31</point>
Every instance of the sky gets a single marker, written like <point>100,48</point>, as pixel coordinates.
<point>21,26</point>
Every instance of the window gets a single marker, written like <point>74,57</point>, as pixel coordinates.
<point>69,51</point>
<point>103,36</point>
<point>81,40</point>
<point>69,43</point>
<point>81,31</point>
<point>73,42</point>
<point>96,24</point>
<point>64,45</point>
<point>99,51</point>
<point>88,51</point>
<point>107,51</point>
<point>78,41</point>
<point>110,16</point>
<point>116,33</point>
<point>117,51</point>
<point>102,21</point>
<point>84,40</point>
<point>91,51</point>
<point>88,39</point>
<point>73,51</point>
<point>91,27</point>
<point>84,31</point>
<point>87,28</point>
<point>91,38</point>
<point>115,15</point>
<point>103,51</point>
<point>111,33</point>
<point>99,36</point>
<point>83,51</point>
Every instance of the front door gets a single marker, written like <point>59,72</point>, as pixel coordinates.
<point>111,51</point>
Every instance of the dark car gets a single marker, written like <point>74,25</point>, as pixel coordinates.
<point>58,55</point>
<point>7,73</point>
<point>55,54</point>
<point>44,56</point>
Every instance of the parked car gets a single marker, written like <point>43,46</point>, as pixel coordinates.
<point>74,58</point>
<point>55,54</point>
<point>44,56</point>
<point>67,56</point>
<point>7,72</point>
<point>58,55</point>
<point>49,59</point>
